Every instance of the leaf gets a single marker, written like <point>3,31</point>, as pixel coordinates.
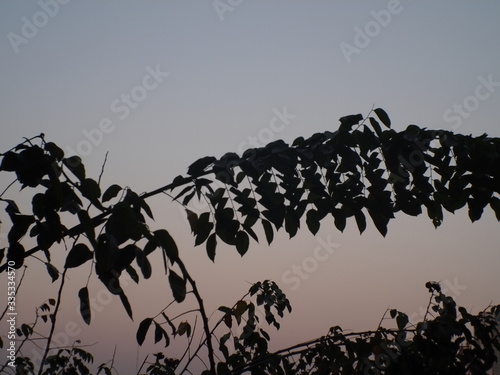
<point>75,165</point>
<point>380,222</point>
<point>211,246</point>
<point>184,328</point>
<point>26,330</point>
<point>132,273</point>
<point>339,219</point>
<point>382,115</point>
<point>268,229</point>
<point>53,272</point>
<point>143,330</point>
<point>126,305</point>
<point>203,228</point>
<point>167,243</point>
<point>228,320</point>
<point>192,219</point>
<point>360,221</point>
<point>242,242</point>
<point>312,221</point>
<point>158,332</point>
<point>143,263</point>
<point>178,286</point>
<point>90,189</point>
<point>376,126</point>
<point>54,150</point>
<point>150,246</point>
<point>495,205</point>
<point>111,192</point>
<point>83,295</point>
<point>78,255</point>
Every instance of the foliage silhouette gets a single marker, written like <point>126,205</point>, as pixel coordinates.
<point>364,169</point>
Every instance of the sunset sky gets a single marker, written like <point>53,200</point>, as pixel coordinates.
<point>159,84</point>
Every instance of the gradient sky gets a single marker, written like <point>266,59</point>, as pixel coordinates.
<point>217,77</point>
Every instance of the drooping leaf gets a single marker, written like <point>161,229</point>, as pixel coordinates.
<point>184,328</point>
<point>75,165</point>
<point>158,332</point>
<point>211,246</point>
<point>383,116</point>
<point>143,263</point>
<point>178,286</point>
<point>376,126</point>
<point>312,221</point>
<point>126,305</point>
<point>192,219</point>
<point>242,242</point>
<point>78,255</point>
<point>90,189</point>
<point>85,310</point>
<point>143,330</point>
<point>360,221</point>
<point>203,228</point>
<point>167,243</point>
<point>268,229</point>
<point>495,205</point>
<point>132,273</point>
<point>53,272</point>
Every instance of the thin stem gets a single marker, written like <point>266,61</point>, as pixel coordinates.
<point>54,320</point>
<point>203,314</point>
<point>7,188</point>
<point>143,362</point>
<point>102,168</point>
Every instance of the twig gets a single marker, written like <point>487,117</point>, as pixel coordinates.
<point>54,320</point>
<point>203,314</point>
<point>143,362</point>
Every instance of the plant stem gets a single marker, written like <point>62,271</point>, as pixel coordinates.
<point>203,314</point>
<point>54,319</point>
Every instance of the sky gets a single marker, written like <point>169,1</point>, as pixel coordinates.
<point>156,85</point>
